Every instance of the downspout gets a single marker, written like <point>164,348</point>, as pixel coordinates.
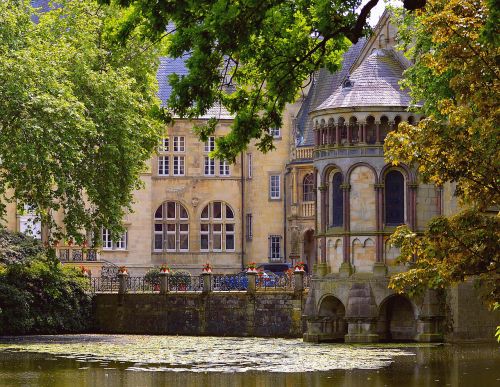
<point>287,171</point>
<point>242,213</point>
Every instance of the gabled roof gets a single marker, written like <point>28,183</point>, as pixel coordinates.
<point>374,83</point>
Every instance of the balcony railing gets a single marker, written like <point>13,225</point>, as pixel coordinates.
<point>304,153</point>
<point>306,209</point>
<point>77,254</point>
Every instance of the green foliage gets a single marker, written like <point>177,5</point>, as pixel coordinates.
<point>79,114</point>
<point>454,45</point>
<point>180,278</point>
<point>38,295</point>
<point>451,250</point>
<point>252,57</point>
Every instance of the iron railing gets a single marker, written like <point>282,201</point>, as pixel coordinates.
<point>186,283</point>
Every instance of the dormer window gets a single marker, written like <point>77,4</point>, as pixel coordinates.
<point>347,83</point>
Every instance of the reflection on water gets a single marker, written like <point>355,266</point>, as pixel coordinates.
<point>98,360</point>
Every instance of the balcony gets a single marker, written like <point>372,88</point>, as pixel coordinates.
<point>306,210</point>
<point>77,254</point>
<point>304,153</point>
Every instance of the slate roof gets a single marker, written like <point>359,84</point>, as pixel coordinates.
<point>374,83</point>
<point>177,66</point>
<point>324,84</point>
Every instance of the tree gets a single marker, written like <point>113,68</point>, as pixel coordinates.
<point>79,114</point>
<point>456,75</point>
<point>252,57</point>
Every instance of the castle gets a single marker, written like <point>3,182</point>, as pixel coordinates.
<point>324,196</point>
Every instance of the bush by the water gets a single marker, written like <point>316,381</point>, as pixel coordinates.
<point>37,294</point>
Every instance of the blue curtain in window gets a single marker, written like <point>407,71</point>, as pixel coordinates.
<point>394,198</point>
<point>337,201</point>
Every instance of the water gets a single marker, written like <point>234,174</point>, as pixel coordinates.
<point>127,360</point>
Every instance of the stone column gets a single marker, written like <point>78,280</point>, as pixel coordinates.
<point>349,140</point>
<point>316,136</point>
<point>412,218</point>
<point>363,132</point>
<point>294,186</point>
<point>439,200</point>
<point>377,132</point>
<point>431,317</point>
<point>207,282</point>
<point>379,267</point>
<point>337,134</point>
<point>346,268</point>
<point>361,315</point>
<point>252,277</point>
<point>122,282</point>
<point>164,279</point>
<point>322,268</point>
<point>298,281</point>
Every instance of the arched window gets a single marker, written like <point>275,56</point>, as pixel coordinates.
<point>394,198</point>
<point>342,128</point>
<point>337,201</point>
<point>308,188</point>
<point>217,228</point>
<point>171,227</point>
<point>384,128</point>
<point>354,128</point>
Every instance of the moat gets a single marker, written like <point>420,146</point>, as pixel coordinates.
<point>135,360</point>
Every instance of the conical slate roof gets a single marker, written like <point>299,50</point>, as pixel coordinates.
<point>374,83</point>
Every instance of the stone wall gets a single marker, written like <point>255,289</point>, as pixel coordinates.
<point>467,317</point>
<point>269,314</point>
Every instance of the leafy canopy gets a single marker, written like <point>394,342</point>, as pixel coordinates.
<point>456,75</point>
<point>252,57</point>
<point>78,114</point>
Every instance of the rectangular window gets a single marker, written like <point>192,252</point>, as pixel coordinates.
<point>183,237</point>
<point>158,242</point>
<point>171,237</point>
<point>249,227</point>
<point>275,247</point>
<point>121,244</point>
<point>224,168</point>
<point>210,144</point>
<point>249,165</point>
<point>178,165</point>
<point>229,237</point>
<point>204,234</point>
<point>217,210</point>
<point>209,166</point>
<point>179,144</point>
<point>275,132</point>
<point>164,145</point>
<point>107,243</point>
<point>163,165</point>
<point>274,187</point>
<point>217,237</point>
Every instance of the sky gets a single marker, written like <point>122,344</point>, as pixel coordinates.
<point>379,9</point>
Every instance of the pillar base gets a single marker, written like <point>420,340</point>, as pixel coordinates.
<point>322,269</point>
<point>362,338</point>
<point>345,269</point>
<point>430,338</point>
<point>379,269</point>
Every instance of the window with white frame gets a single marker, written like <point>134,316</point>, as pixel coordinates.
<point>275,187</point>
<point>179,144</point>
<point>164,145</point>
<point>224,168</point>
<point>178,165</point>
<point>249,165</point>
<point>274,247</point>
<point>210,144</point>
<point>109,244</point>
<point>275,132</point>
<point>217,229</point>
<point>171,228</point>
<point>163,165</point>
<point>209,166</point>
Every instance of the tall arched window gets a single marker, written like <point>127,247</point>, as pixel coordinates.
<point>171,227</point>
<point>308,188</point>
<point>337,201</point>
<point>370,130</point>
<point>217,228</point>
<point>394,198</point>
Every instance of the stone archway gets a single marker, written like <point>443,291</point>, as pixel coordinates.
<point>396,320</point>
<point>331,312</point>
<point>309,249</point>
